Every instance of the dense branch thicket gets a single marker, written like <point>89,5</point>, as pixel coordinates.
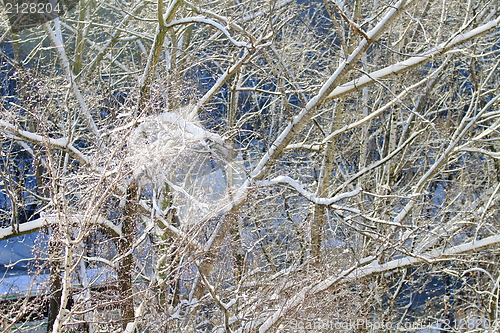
<point>254,165</point>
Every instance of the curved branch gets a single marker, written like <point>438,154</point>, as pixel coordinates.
<point>61,143</point>
<point>308,195</point>
<point>50,219</point>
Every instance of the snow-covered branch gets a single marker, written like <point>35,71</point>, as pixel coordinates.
<point>381,110</point>
<point>305,146</point>
<point>24,228</point>
<point>478,206</point>
<point>300,120</point>
<point>50,219</point>
<point>308,195</point>
<point>436,255</point>
<point>61,143</point>
<point>491,154</point>
<point>403,66</point>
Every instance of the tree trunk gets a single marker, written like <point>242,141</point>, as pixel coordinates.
<point>126,264</point>
<point>55,280</point>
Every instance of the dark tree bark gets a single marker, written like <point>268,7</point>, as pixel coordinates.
<point>55,281</point>
<point>126,265</point>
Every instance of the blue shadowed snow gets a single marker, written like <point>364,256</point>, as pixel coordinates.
<point>15,249</point>
<point>22,285</point>
<point>33,284</point>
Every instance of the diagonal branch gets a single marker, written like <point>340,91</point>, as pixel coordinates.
<point>308,195</point>
<point>61,143</point>
<point>403,66</point>
<point>50,219</point>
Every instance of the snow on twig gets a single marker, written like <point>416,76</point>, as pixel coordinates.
<point>24,228</point>
<point>50,219</point>
<point>308,195</point>
<point>412,62</point>
<point>305,146</point>
<point>61,143</point>
<point>381,109</point>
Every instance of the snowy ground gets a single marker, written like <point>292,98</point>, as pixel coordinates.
<point>22,285</point>
<point>15,251</point>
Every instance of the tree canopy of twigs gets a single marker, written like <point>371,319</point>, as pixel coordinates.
<point>254,166</point>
